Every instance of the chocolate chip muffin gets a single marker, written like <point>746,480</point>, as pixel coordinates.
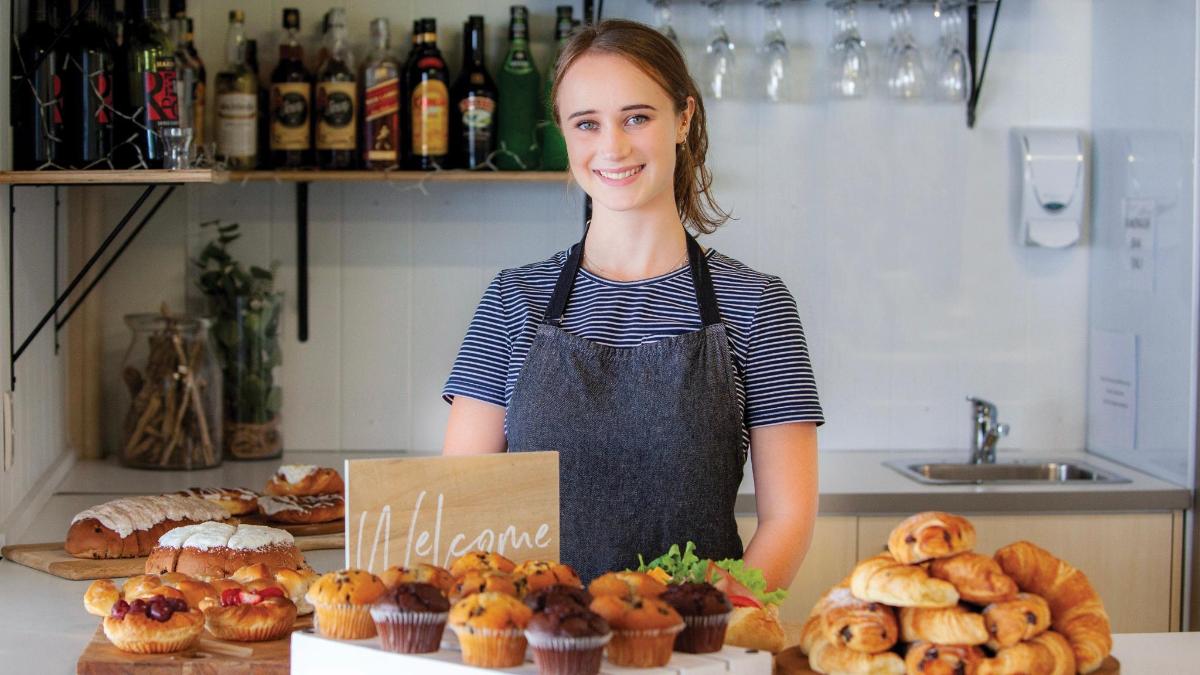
<point>491,629</point>
<point>557,596</point>
<point>705,611</point>
<point>568,639</point>
<point>410,618</point>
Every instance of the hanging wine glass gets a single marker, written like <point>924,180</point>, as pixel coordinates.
<point>719,59</point>
<point>774,56</point>
<point>906,71</point>
<point>849,69</point>
<point>952,83</point>
<point>662,21</point>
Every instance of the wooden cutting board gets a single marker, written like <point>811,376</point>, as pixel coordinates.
<point>209,656</point>
<point>52,559</point>
<point>332,527</point>
<point>791,662</point>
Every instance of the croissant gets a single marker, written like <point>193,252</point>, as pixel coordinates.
<point>1027,658</point>
<point>1075,607</point>
<point>1060,649</point>
<point>868,627</point>
<point>942,625</point>
<point>1015,620</point>
<point>926,658</point>
<point>978,578</point>
<point>825,657</point>
<point>929,535</point>
<point>810,634</point>
<point>882,579</point>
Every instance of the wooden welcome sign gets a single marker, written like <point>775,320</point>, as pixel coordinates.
<point>434,509</point>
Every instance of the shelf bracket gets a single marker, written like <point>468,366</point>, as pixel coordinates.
<point>61,298</point>
<point>977,72</point>
<point>302,260</point>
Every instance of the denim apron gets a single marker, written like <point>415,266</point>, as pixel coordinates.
<point>649,437</point>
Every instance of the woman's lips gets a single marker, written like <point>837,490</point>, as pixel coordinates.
<point>619,177</point>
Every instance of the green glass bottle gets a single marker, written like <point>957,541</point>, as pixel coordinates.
<point>519,106</point>
<point>550,139</point>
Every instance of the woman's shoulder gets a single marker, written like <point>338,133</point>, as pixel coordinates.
<point>730,272</point>
<point>538,271</point>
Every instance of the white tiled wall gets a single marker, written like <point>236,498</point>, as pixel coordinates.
<point>892,224</point>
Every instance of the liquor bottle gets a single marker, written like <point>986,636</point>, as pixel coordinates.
<point>337,106</point>
<point>87,89</point>
<point>237,100</point>
<point>520,98</point>
<point>472,115</point>
<point>150,102</point>
<point>36,116</point>
<point>263,125</point>
<point>190,75</point>
<point>291,100</point>
<point>429,103</point>
<point>380,101</point>
<point>550,140</point>
<point>405,88</point>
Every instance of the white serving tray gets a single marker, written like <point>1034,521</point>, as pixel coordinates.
<point>316,655</point>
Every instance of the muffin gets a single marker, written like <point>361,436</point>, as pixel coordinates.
<point>557,596</point>
<point>568,639</point>
<point>491,629</point>
<point>410,618</point>
<point>705,612</point>
<point>627,585</point>
<point>481,581</point>
<point>480,561</point>
<point>425,573</point>
<point>343,603</point>
<point>533,575</point>
<point>644,630</point>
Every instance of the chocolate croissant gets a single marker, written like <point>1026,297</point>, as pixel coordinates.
<point>929,535</point>
<point>978,578</point>
<point>1077,611</point>
<point>926,658</point>
<point>882,579</point>
<point>1016,620</point>
<point>826,657</point>
<point>868,627</point>
<point>942,625</point>
<point>1028,658</point>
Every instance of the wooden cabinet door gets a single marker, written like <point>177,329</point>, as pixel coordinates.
<point>1132,559</point>
<point>830,558</point>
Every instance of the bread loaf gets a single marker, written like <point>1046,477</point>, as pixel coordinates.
<point>216,550</point>
<point>882,579</point>
<point>1075,607</point>
<point>130,527</point>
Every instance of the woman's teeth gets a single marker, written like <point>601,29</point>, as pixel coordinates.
<point>619,176</point>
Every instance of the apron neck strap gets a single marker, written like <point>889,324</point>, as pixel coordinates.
<point>706,298</point>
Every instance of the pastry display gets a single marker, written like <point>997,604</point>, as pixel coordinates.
<point>410,617</point>
<point>256,612</point>
<point>236,501</point>
<point>705,612</point>
<point>438,577</point>
<point>130,527</point>
<point>644,630</point>
<point>343,602</point>
<point>154,625</point>
<point>1022,610</point>
<point>299,480</point>
<point>533,575</point>
<point>479,561</point>
<point>216,550</point>
<point>567,638</point>
<point>491,629</point>
<point>303,509</point>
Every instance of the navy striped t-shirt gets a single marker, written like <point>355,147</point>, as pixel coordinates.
<point>774,375</point>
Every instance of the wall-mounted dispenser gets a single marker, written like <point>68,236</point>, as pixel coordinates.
<point>1054,186</point>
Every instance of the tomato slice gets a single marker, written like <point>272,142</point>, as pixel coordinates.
<point>744,601</point>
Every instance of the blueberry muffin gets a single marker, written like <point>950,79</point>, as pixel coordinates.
<point>491,629</point>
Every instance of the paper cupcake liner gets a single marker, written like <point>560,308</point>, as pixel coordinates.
<point>560,655</point>
<point>490,648</point>
<point>344,622</point>
<point>642,648</point>
<point>409,632</point>
<point>702,634</point>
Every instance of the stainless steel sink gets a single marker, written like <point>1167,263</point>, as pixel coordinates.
<point>1007,473</point>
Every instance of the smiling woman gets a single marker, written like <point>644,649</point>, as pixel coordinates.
<point>651,365</point>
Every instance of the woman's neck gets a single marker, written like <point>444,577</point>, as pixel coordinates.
<point>629,246</point>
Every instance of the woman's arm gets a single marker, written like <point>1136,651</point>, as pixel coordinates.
<point>785,488</point>
<point>475,428</point>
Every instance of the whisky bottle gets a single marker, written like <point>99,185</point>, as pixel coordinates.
<point>291,100</point>
<point>337,104</point>
<point>380,102</point>
<point>237,101</point>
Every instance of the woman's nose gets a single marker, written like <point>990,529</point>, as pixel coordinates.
<point>615,144</point>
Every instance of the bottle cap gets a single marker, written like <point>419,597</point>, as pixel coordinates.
<point>291,18</point>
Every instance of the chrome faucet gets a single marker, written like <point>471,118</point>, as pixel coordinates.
<point>986,431</point>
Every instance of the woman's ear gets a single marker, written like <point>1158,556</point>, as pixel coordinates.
<point>686,120</point>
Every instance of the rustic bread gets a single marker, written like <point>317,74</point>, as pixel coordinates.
<point>130,527</point>
<point>215,550</point>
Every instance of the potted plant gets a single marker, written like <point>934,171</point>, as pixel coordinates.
<point>245,310</point>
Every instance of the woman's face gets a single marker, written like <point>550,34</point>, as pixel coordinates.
<point>621,130</point>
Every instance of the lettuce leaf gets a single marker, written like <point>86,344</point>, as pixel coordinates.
<point>685,565</point>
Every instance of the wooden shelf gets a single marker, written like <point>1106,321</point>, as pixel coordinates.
<point>106,177</point>
<point>157,176</point>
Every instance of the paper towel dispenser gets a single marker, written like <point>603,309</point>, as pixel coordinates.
<point>1054,186</point>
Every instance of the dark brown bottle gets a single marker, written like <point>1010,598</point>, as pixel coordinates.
<point>429,103</point>
<point>291,100</point>
<point>406,100</point>
<point>473,109</point>
<point>337,104</point>
<point>264,123</point>
<point>380,98</point>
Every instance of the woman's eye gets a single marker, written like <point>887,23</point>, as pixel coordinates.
<point>637,120</point>
<point>586,125</point>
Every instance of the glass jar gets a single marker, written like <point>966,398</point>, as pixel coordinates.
<point>174,384</point>
<point>248,344</point>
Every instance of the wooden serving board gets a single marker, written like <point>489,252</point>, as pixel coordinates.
<point>208,657</point>
<point>791,662</point>
<point>52,559</point>
<point>332,527</point>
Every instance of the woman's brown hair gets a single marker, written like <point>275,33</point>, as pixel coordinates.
<point>659,58</point>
